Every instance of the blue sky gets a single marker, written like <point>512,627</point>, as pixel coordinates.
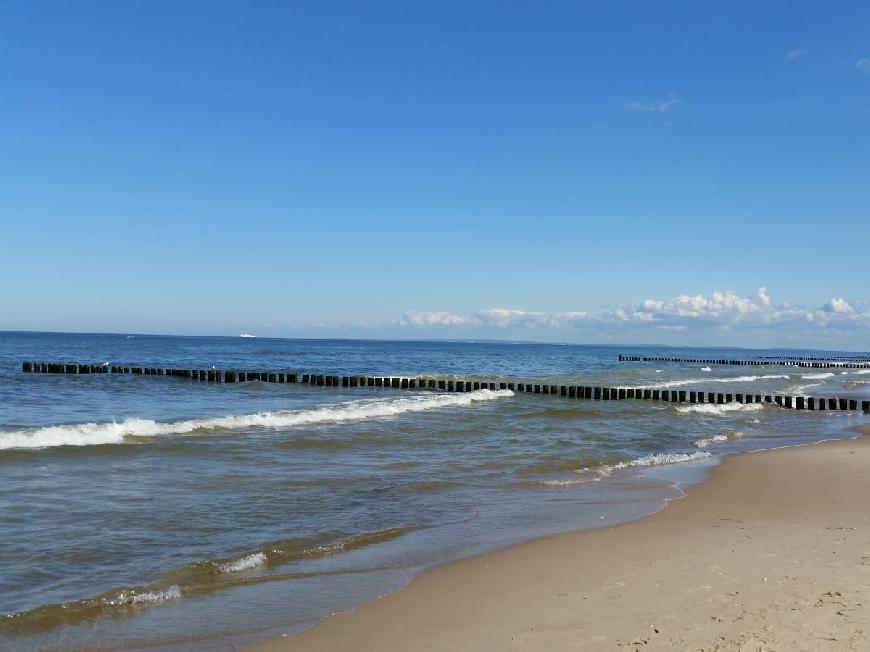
<point>613,171</point>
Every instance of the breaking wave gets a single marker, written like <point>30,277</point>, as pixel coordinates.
<point>819,376</point>
<point>698,381</point>
<point>596,473</point>
<point>118,432</point>
<point>717,409</point>
<point>705,442</point>
<point>200,578</point>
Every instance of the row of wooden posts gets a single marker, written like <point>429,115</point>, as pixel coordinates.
<point>828,364</point>
<point>458,385</point>
<point>830,358</point>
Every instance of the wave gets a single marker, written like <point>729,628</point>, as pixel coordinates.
<point>93,434</point>
<point>200,578</point>
<point>596,473</point>
<point>819,376</point>
<point>698,381</point>
<point>243,563</point>
<point>152,597</point>
<point>706,369</point>
<point>862,372</point>
<point>704,442</point>
<point>800,390</point>
<point>717,409</point>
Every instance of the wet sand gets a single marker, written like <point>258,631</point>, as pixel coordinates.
<point>771,552</point>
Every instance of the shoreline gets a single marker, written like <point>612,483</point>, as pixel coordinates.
<point>746,558</point>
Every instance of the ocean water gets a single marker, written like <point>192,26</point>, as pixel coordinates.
<point>157,512</point>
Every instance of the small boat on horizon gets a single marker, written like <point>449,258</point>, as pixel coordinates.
<point>246,335</point>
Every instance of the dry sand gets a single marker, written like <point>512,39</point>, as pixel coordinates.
<point>772,552</point>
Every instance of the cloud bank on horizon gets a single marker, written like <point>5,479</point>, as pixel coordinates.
<point>718,317</point>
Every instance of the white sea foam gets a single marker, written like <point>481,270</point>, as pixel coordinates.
<point>91,434</point>
<point>819,376</point>
<point>172,593</point>
<point>717,409</point>
<point>149,597</point>
<point>243,563</point>
<point>697,381</point>
<point>706,369</point>
<point>657,459</point>
<point>705,442</point>
<point>861,372</point>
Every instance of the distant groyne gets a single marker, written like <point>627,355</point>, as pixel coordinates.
<point>807,363</point>
<point>454,384</point>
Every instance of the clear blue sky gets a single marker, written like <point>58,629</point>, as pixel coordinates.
<point>395,169</point>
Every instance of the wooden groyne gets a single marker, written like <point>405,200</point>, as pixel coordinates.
<point>835,358</point>
<point>453,384</point>
<point>807,363</point>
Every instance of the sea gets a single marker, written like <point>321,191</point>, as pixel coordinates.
<point>156,512</point>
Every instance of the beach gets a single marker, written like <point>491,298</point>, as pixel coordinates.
<point>770,552</point>
<point>243,511</point>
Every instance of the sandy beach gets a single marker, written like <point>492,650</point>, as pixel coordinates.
<point>771,552</point>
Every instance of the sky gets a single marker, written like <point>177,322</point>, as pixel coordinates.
<point>627,172</point>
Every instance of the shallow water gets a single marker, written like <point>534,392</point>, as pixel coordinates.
<point>141,510</point>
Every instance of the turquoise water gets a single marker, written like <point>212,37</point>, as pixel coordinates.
<point>156,511</point>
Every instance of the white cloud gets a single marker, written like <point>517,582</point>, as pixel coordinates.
<point>791,55</point>
<point>718,313</point>
<point>863,65</point>
<point>424,318</point>
<point>505,316</point>
<point>840,306</point>
<point>661,105</point>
